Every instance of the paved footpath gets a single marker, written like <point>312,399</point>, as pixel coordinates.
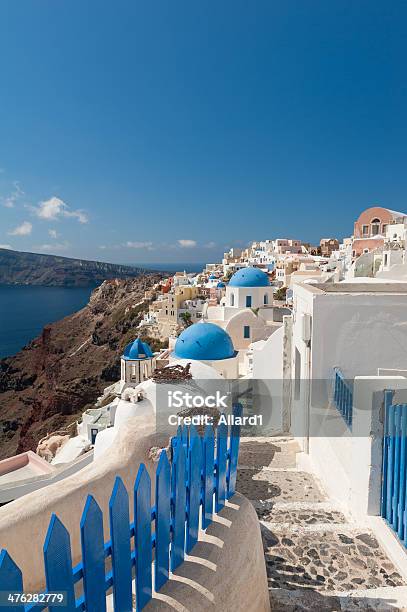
<point>316,559</point>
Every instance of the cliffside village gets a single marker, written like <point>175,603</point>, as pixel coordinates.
<point>324,327</point>
<point>236,320</point>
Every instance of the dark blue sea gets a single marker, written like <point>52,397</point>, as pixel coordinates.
<point>24,310</point>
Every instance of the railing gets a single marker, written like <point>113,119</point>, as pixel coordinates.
<point>194,478</point>
<point>394,472</point>
<point>343,397</point>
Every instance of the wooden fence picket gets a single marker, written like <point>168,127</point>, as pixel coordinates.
<point>93,557</point>
<point>185,492</point>
<point>142,537</point>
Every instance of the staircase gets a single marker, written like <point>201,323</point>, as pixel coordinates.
<point>316,558</point>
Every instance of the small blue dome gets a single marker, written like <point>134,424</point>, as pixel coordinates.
<point>249,277</point>
<point>220,285</point>
<point>212,277</point>
<point>137,350</point>
<point>204,342</point>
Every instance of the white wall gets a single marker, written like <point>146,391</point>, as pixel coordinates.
<point>268,358</point>
<point>348,462</point>
<point>358,332</point>
<point>240,293</point>
<point>268,368</point>
<point>258,329</point>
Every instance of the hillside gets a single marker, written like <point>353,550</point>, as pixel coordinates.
<point>18,268</point>
<point>49,383</point>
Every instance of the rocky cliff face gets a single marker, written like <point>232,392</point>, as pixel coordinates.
<point>48,384</point>
<point>17,268</point>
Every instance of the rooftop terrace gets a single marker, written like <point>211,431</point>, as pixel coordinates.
<point>372,286</point>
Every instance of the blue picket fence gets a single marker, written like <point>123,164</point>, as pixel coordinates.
<point>394,469</point>
<point>189,489</point>
<point>343,396</point>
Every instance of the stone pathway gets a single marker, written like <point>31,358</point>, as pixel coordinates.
<point>316,560</point>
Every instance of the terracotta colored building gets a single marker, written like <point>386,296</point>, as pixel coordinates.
<point>370,228</point>
<point>328,245</point>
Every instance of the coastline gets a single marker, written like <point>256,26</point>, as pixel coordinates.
<point>20,325</point>
<point>42,388</point>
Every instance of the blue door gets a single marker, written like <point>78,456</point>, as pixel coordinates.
<point>248,301</point>
<point>394,500</point>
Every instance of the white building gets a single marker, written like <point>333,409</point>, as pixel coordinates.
<point>137,364</point>
<point>246,313</point>
<point>360,330</point>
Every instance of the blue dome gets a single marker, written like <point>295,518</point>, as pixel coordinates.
<point>137,350</point>
<point>220,285</point>
<point>249,277</point>
<point>212,277</point>
<point>204,342</point>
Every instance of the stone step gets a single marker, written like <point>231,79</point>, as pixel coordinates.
<point>382,599</point>
<point>327,561</point>
<point>303,600</point>
<point>257,455</point>
<point>269,485</point>
<point>298,517</point>
<point>346,529</point>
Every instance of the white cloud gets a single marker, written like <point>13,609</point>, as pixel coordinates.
<point>22,230</point>
<point>55,208</point>
<point>210,245</point>
<point>128,245</point>
<point>138,245</point>
<point>5,246</point>
<point>53,233</point>
<point>187,244</point>
<point>15,195</point>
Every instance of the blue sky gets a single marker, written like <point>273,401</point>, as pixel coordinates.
<point>136,131</point>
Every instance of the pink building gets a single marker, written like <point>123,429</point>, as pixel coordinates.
<point>284,245</point>
<point>370,228</point>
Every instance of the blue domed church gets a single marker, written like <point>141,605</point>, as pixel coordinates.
<point>210,344</point>
<point>137,363</point>
<point>249,288</point>
<point>246,311</point>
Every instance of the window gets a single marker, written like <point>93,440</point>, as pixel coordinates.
<point>375,227</point>
<point>266,299</point>
<point>365,230</point>
<point>246,331</point>
<point>248,301</point>
<point>232,299</point>
<point>386,259</point>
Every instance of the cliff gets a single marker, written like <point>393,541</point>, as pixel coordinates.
<point>18,268</point>
<point>48,384</point>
